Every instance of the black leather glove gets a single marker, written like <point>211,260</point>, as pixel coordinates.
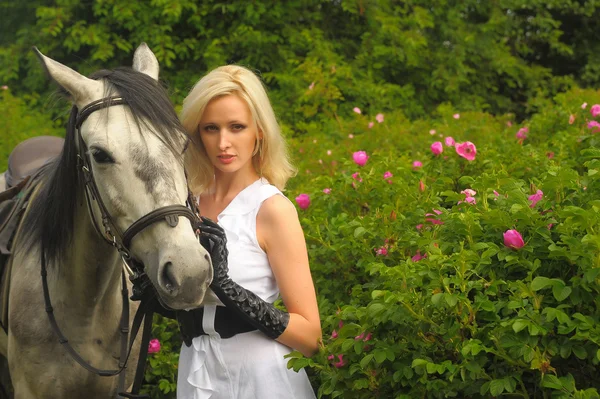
<point>246,304</point>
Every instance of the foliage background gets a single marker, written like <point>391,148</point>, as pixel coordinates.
<point>474,319</point>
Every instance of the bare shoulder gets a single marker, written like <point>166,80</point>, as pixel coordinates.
<point>277,215</point>
<point>276,208</point>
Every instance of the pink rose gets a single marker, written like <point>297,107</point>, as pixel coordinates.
<point>417,164</point>
<point>363,337</point>
<point>437,148</point>
<point>418,256</point>
<point>469,196</point>
<point>583,106</point>
<point>334,334</point>
<point>379,118</point>
<point>550,154</point>
<point>432,132</point>
<point>327,190</point>
<point>4,87</point>
<point>328,152</point>
<point>456,116</point>
<point>594,125</point>
<point>522,133</point>
<point>595,110</point>
<point>360,158</point>
<point>513,239</point>
<point>312,86</point>
<point>466,150</point>
<point>382,251</point>
<point>303,201</point>
<point>419,226</point>
<point>449,141</point>
<point>371,124</point>
<point>535,198</point>
<point>421,186</point>
<point>433,219</point>
<point>571,119</point>
<point>154,346</point>
<point>357,110</point>
<point>387,175</point>
<point>496,193</point>
<point>357,177</point>
<point>340,363</point>
<point>350,136</point>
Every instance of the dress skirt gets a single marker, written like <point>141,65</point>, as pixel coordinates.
<point>246,366</point>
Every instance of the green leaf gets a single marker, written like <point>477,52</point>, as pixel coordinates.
<point>580,352</point>
<point>496,387</point>
<point>520,325</point>
<point>561,292</point>
<point>359,232</point>
<point>419,363</point>
<point>510,384</point>
<point>451,299</point>
<point>540,282</point>
<point>380,356</point>
<point>551,381</point>
<point>436,298</point>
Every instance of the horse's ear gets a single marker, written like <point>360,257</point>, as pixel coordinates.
<point>81,89</point>
<point>145,61</point>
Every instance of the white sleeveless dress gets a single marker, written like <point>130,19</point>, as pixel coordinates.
<point>248,365</point>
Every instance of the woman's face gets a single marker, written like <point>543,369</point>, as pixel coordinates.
<point>228,133</point>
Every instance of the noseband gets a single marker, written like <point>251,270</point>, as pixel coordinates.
<point>121,241</point>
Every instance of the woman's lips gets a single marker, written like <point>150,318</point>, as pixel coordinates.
<point>226,159</point>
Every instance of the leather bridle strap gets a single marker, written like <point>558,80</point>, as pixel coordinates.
<point>95,106</point>
<point>170,213</point>
<point>65,342</point>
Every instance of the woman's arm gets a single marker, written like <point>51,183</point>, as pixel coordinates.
<point>280,235</point>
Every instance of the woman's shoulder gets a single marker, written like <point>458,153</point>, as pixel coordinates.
<point>277,210</point>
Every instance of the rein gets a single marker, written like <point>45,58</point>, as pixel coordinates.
<point>142,288</point>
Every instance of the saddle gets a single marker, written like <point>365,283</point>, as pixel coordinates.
<point>21,180</point>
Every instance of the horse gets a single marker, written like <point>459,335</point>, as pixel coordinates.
<point>116,193</point>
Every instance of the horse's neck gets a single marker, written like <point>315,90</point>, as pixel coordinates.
<point>90,275</point>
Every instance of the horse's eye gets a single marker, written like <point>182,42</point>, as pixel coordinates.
<point>101,156</point>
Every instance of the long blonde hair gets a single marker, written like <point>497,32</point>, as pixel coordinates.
<point>270,156</point>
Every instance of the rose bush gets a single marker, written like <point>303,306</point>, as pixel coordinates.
<point>495,293</point>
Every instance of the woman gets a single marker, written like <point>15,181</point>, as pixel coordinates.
<point>237,165</point>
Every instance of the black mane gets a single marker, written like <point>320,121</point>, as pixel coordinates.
<point>50,218</point>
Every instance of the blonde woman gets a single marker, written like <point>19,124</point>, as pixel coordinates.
<point>237,165</point>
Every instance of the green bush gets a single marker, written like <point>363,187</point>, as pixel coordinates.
<point>21,120</point>
<point>417,291</point>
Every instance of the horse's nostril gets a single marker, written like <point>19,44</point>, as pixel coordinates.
<point>206,257</point>
<point>169,280</point>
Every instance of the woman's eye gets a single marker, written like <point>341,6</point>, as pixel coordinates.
<point>238,127</point>
<point>101,156</point>
<point>210,128</point>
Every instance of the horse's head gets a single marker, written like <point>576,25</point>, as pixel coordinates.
<point>135,153</point>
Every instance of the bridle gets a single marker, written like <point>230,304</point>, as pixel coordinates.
<point>112,234</point>
<point>121,241</point>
